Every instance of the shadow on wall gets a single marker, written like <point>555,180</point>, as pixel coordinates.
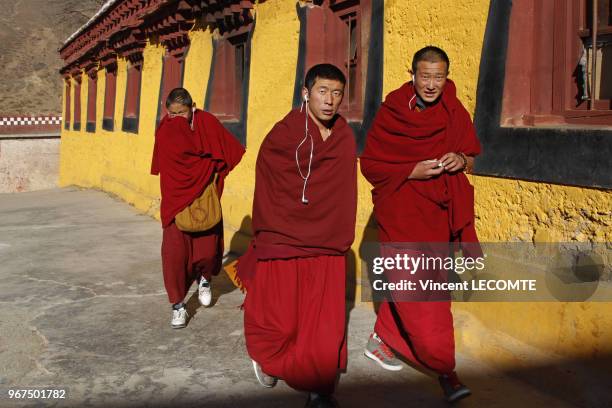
<point>370,235</point>
<point>241,239</point>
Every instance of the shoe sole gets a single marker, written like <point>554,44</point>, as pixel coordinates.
<point>178,326</point>
<point>263,384</point>
<point>371,356</point>
<point>459,395</point>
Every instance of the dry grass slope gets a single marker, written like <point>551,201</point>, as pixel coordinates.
<point>31,32</point>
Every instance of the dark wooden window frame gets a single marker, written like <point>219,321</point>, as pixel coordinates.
<point>110,95</point>
<point>226,97</point>
<point>373,63</point>
<point>351,14</point>
<point>570,155</point>
<point>544,83</point>
<point>172,77</point>
<point>76,125</point>
<point>131,106</point>
<point>67,105</point>
<point>92,93</point>
<point>583,22</point>
<point>234,121</point>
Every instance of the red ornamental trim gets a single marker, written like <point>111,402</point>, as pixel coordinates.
<point>124,28</point>
<point>76,76</point>
<point>92,68</point>
<point>107,57</point>
<point>29,124</point>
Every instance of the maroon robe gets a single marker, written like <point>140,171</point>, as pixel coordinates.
<point>283,226</point>
<point>186,161</point>
<point>294,272</point>
<point>440,209</point>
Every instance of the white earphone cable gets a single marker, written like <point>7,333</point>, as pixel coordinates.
<point>297,160</point>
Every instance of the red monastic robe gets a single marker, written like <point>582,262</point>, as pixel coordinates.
<point>294,272</point>
<point>440,209</point>
<point>186,161</point>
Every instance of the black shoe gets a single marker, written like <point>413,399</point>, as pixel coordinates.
<point>453,389</point>
<point>321,401</point>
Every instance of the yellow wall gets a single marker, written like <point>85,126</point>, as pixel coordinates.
<point>457,27</point>
<point>272,75</point>
<point>197,66</point>
<point>507,210</point>
<point>119,162</point>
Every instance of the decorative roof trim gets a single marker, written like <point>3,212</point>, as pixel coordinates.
<point>121,29</point>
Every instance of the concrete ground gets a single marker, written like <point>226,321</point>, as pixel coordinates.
<point>83,309</point>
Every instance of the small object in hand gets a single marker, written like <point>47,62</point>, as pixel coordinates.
<point>435,161</point>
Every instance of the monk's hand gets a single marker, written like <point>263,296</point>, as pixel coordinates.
<point>426,169</point>
<point>452,162</point>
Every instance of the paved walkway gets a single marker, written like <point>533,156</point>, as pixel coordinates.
<point>83,309</point>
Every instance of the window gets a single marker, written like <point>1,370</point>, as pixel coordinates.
<point>228,82</point>
<point>595,73</point>
<point>131,109</point>
<point>228,77</point>
<point>67,105</point>
<point>110,90</point>
<point>553,77</point>
<point>519,82</point>
<point>349,12</point>
<point>341,21</point>
<point>172,77</point>
<point>348,34</point>
<point>77,103</point>
<point>92,90</point>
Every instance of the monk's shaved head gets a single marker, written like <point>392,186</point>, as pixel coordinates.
<point>429,54</point>
<point>180,96</point>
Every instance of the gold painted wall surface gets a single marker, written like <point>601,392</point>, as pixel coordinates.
<point>274,53</point>
<point>506,210</point>
<point>514,210</point>
<point>197,66</point>
<point>457,27</point>
<point>119,162</point>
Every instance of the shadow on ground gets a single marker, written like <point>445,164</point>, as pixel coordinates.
<point>567,384</point>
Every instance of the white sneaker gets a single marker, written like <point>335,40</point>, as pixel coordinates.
<point>204,292</point>
<point>179,318</point>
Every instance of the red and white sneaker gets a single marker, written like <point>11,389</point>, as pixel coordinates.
<point>378,351</point>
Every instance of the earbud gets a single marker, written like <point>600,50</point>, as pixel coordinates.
<point>305,97</point>
<point>413,78</point>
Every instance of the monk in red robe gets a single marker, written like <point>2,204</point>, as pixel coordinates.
<point>304,212</point>
<point>191,147</point>
<point>421,143</point>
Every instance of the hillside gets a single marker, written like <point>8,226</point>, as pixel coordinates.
<point>31,32</point>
